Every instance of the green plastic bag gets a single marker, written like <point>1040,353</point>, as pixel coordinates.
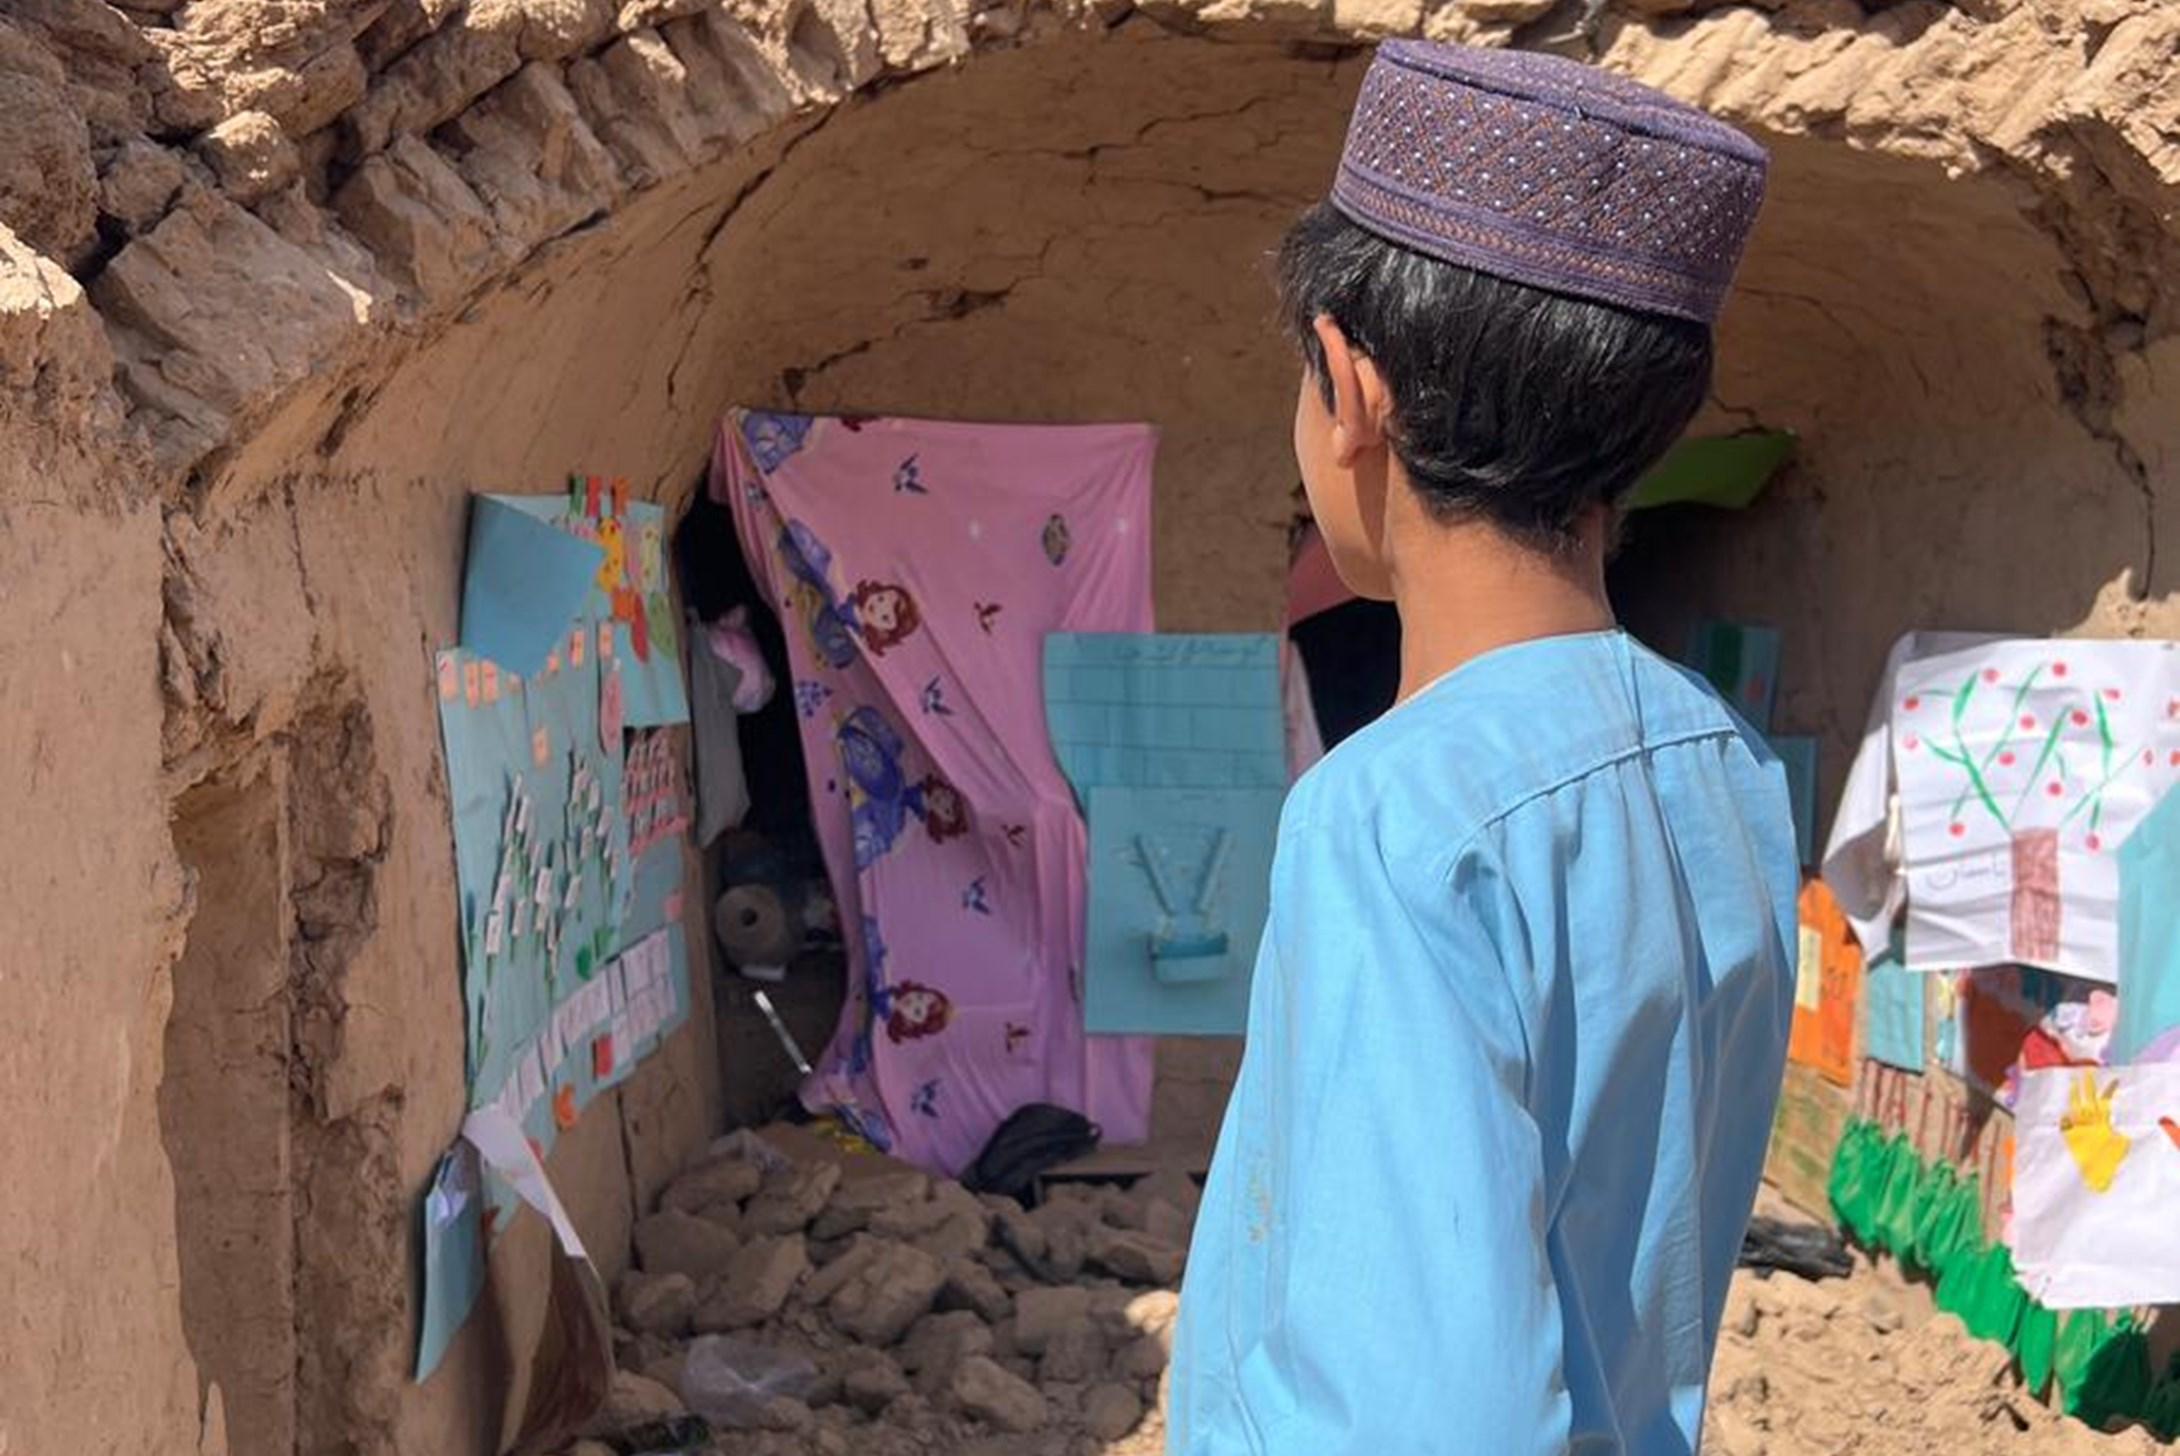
<point>1993,1300</point>
<point>2079,1339</point>
<point>2117,1382</point>
<point>2161,1412</point>
<point>1849,1185</point>
<point>1933,1209</point>
<point>1895,1217</point>
<point>2034,1343</point>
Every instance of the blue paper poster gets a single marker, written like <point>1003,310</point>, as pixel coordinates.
<point>523,582</point>
<point>1176,747</point>
<point>629,591</point>
<point>1892,1012</point>
<point>1166,710</point>
<point>1180,884</point>
<point>1799,757</point>
<point>1742,662</point>
<point>453,1254</point>
<point>542,871</point>
<point>2149,940</point>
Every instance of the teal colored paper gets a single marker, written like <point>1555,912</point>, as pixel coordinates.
<point>2149,936</point>
<point>523,582</point>
<point>1165,710</point>
<point>1742,662</point>
<point>650,681</point>
<point>1170,739</point>
<point>1124,992</point>
<point>511,994</point>
<point>1799,757</point>
<point>453,1254</point>
<point>1892,1012</point>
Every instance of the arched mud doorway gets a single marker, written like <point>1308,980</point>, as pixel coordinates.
<point>496,257</point>
<point>1076,230</point>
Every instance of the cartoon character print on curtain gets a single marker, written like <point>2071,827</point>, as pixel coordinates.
<point>918,568</point>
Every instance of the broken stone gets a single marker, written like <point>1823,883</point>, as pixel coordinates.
<point>755,1286</point>
<point>1143,1358</point>
<point>913,1221</point>
<point>1111,1411</point>
<point>1141,1257</point>
<point>674,1242</point>
<point>890,1292</point>
<point>1067,1249</point>
<point>855,1201</point>
<point>251,156</point>
<point>789,1199</point>
<point>632,1402</point>
<point>873,1382</point>
<point>1040,1315</point>
<point>656,1304</point>
<point>1074,1355</point>
<point>722,1180</point>
<point>48,183</point>
<point>1014,1230</point>
<point>836,1272</point>
<point>1167,1223</point>
<point>1154,1314</point>
<point>140,184</point>
<point>971,1286</point>
<point>1175,1187</point>
<point>961,1236</point>
<point>419,217</point>
<point>1001,1400</point>
<point>934,1349</point>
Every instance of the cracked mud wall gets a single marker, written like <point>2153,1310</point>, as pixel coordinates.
<point>292,289</point>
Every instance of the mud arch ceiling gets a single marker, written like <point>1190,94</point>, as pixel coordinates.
<point>286,278</point>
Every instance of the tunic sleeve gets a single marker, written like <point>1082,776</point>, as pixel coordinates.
<point>1410,1291</point>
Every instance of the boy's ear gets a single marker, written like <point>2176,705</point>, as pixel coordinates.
<point>1360,400</point>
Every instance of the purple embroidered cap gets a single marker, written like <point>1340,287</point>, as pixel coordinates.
<point>1552,173</point>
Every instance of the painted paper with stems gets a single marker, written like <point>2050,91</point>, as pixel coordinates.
<point>2023,765</point>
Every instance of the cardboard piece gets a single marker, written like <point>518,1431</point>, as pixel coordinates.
<point>1804,1132</point>
<point>1725,471</point>
<point>1828,988</point>
<point>523,583</point>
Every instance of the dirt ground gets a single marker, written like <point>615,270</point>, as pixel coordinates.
<point>1867,1364</point>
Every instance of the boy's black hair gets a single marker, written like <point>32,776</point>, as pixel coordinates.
<point>1510,404</point>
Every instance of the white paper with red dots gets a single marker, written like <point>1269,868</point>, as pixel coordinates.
<point>2022,766</point>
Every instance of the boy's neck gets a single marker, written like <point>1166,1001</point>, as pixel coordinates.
<point>1466,589</point>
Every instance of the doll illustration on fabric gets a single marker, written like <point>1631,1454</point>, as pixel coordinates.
<point>877,997</point>
<point>945,812</point>
<point>880,794</point>
<point>886,615</point>
<point>809,562</point>
<point>917,1011</point>
<point>924,1101</point>
<point>771,438</point>
<point>1058,540</point>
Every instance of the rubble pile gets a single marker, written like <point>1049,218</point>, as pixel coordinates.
<point>823,1306</point>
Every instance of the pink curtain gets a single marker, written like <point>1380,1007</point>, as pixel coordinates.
<point>918,567</point>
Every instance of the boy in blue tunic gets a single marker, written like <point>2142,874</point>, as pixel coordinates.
<point>1522,1008</point>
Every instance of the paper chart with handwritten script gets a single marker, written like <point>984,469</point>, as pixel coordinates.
<point>2096,1180</point>
<point>2023,766</point>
